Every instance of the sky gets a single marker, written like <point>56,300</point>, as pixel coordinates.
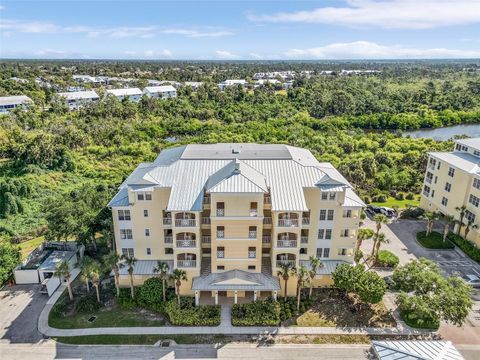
<point>240,30</point>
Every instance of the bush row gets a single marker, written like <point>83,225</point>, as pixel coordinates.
<point>258,313</point>
<point>187,314</point>
<point>387,259</point>
<point>467,246</point>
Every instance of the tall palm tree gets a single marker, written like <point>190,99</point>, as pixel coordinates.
<point>85,270</point>
<point>63,271</point>
<point>178,275</point>
<point>303,277</point>
<point>379,220</point>
<point>380,239</point>
<point>130,263</point>
<point>470,225</point>
<point>430,218</point>
<point>461,209</point>
<point>96,276</point>
<point>162,269</point>
<point>362,235</point>
<point>285,272</point>
<point>448,220</point>
<point>113,261</point>
<point>315,264</point>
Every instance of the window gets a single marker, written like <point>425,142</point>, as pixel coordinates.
<point>429,177</point>
<point>324,196</point>
<point>476,183</point>
<point>342,251</point>
<point>321,234</point>
<point>221,232</point>
<point>469,216</point>
<point>444,201</point>
<point>220,209</point>
<point>149,251</point>
<point>319,252</point>
<point>220,267</point>
<point>435,181</point>
<point>253,209</point>
<point>438,165</point>
<point>252,267</point>
<point>476,152</point>
<point>220,252</point>
<point>252,232</point>
<point>475,201</point>
<point>252,252</point>
<point>332,196</point>
<point>140,196</point>
<point>323,254</point>
<point>451,171</point>
<point>128,252</point>
<point>328,234</point>
<point>323,214</point>
<point>303,251</point>
<point>448,187</point>
<point>168,251</point>
<point>330,214</point>
<point>426,190</point>
<point>148,196</point>
<point>344,233</point>
<point>458,147</point>
<point>124,215</point>
<point>432,162</point>
<point>433,193</point>
<point>147,232</point>
<point>347,213</point>
<point>145,213</point>
<point>126,234</point>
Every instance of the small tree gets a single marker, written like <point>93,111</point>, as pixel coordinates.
<point>285,272</point>
<point>315,264</point>
<point>362,235</point>
<point>430,218</point>
<point>379,240</point>
<point>85,270</point>
<point>461,210</point>
<point>63,271</point>
<point>178,275</point>
<point>162,269</point>
<point>303,278</point>
<point>448,220</point>
<point>379,219</point>
<point>470,225</point>
<point>113,261</point>
<point>96,276</point>
<point>130,263</point>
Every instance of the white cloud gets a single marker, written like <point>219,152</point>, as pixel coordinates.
<point>255,56</point>
<point>226,55</point>
<point>152,54</point>
<point>388,14</point>
<point>371,50</point>
<point>50,53</point>
<point>197,33</point>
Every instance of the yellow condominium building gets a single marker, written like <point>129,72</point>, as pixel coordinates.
<point>230,214</point>
<point>452,183</point>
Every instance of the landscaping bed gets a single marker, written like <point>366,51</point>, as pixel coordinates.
<point>415,322</point>
<point>187,314</point>
<point>434,241</point>
<point>467,246</point>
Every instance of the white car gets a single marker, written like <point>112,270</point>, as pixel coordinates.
<point>472,280</point>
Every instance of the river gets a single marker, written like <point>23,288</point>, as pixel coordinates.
<point>445,133</point>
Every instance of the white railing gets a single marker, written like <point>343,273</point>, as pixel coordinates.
<point>220,212</point>
<point>252,234</point>
<point>220,254</point>
<point>221,234</point>
<point>287,222</point>
<point>428,180</point>
<point>286,243</point>
<point>252,254</point>
<point>304,239</point>
<point>206,239</point>
<point>306,221</point>
<point>267,220</point>
<point>206,220</point>
<point>169,239</point>
<point>185,222</point>
<point>280,262</point>
<point>253,212</point>
<point>186,243</point>
<point>167,221</point>
<point>206,200</point>
<point>186,263</point>
<point>266,239</point>
<point>267,200</point>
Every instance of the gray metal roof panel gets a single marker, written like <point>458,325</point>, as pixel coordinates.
<point>120,199</point>
<point>328,267</point>
<point>240,280</point>
<point>416,350</point>
<point>14,100</point>
<point>145,267</point>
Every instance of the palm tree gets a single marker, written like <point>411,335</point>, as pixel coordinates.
<point>462,209</point>
<point>130,263</point>
<point>113,261</point>
<point>315,264</point>
<point>285,272</point>
<point>430,218</point>
<point>63,271</point>
<point>303,277</point>
<point>470,225</point>
<point>162,269</point>
<point>96,275</point>
<point>380,239</point>
<point>379,220</point>
<point>362,235</point>
<point>178,275</point>
<point>449,220</point>
<point>85,270</point>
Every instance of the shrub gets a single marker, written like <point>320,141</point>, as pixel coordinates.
<point>150,294</point>
<point>125,300</point>
<point>367,199</point>
<point>467,246</point>
<point>412,213</point>
<point>288,308</point>
<point>413,320</point>
<point>258,313</point>
<point>87,304</point>
<point>410,196</point>
<point>358,255</point>
<point>387,259</point>
<point>187,314</point>
<point>379,198</point>
<point>399,196</point>
<point>433,241</point>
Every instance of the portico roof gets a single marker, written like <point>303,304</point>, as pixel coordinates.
<point>236,280</point>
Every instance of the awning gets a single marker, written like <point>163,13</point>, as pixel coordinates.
<point>236,280</point>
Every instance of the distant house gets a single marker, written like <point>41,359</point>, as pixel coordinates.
<point>224,84</point>
<point>77,99</point>
<point>263,82</point>
<point>84,78</point>
<point>154,82</point>
<point>8,103</point>
<point>193,84</point>
<point>288,85</point>
<point>161,92</point>
<point>132,94</point>
<point>19,80</point>
<point>175,84</point>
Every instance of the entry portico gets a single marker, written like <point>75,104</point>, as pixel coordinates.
<point>236,282</point>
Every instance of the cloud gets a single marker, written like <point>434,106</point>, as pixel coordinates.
<point>388,14</point>
<point>255,56</point>
<point>50,53</point>
<point>149,54</point>
<point>371,50</point>
<point>197,33</point>
<point>226,55</point>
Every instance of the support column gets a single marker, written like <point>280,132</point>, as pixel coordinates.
<point>275,295</point>
<point>255,295</point>
<point>197,298</point>
<point>216,297</point>
<point>235,298</point>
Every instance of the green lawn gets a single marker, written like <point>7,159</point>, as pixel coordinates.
<point>128,339</point>
<point>401,204</point>
<point>114,317</point>
<point>27,247</point>
<point>434,241</point>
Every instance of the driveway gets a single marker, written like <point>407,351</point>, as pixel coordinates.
<point>20,307</point>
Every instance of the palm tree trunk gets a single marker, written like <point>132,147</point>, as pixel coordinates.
<point>98,292</point>
<point>117,283</point>
<point>286,282</point>
<point>163,284</point>
<point>88,285</point>
<point>178,293</point>
<point>299,292</point>
<point>70,293</point>
<point>310,291</point>
<point>372,255</point>
<point>445,233</point>
<point>131,287</point>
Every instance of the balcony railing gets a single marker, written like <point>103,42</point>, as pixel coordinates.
<point>221,234</point>
<point>280,262</point>
<point>221,212</point>
<point>206,239</point>
<point>186,243</point>
<point>304,239</point>
<point>266,239</point>
<point>186,263</point>
<point>221,254</point>
<point>252,254</point>
<point>185,222</point>
<point>286,243</point>
<point>287,222</point>
<point>206,200</point>
<point>305,221</point>
<point>426,193</point>
<point>428,180</point>
<point>267,200</point>
<point>167,221</point>
<point>206,220</point>
<point>267,220</point>
<point>253,212</point>
<point>169,239</point>
<point>252,234</point>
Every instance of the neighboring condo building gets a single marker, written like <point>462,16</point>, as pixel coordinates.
<point>161,92</point>
<point>77,99</point>
<point>132,94</point>
<point>452,181</point>
<point>8,103</point>
<point>224,84</point>
<point>230,214</point>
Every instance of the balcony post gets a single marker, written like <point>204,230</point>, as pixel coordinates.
<point>197,298</point>
<point>255,295</point>
<point>275,295</point>
<point>216,297</point>
<point>235,297</point>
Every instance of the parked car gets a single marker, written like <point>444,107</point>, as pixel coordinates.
<point>472,280</point>
<point>372,210</point>
<point>388,212</point>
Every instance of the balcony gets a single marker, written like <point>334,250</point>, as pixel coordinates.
<point>304,240</point>
<point>280,262</point>
<point>252,254</point>
<point>186,263</point>
<point>253,212</point>
<point>266,239</point>
<point>267,221</point>
<point>206,200</point>
<point>286,243</point>
<point>206,220</point>
<point>287,222</point>
<point>221,234</point>
<point>267,200</point>
<point>185,222</point>
<point>167,221</point>
<point>220,212</point>
<point>428,180</point>
<point>306,221</point>
<point>221,254</point>
<point>168,239</point>
<point>252,234</point>
<point>206,239</point>
<point>186,243</point>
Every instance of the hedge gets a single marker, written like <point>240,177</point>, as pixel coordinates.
<point>467,246</point>
<point>187,314</point>
<point>258,313</point>
<point>387,259</point>
<point>412,320</point>
<point>434,241</point>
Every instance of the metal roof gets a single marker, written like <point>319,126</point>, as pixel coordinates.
<point>328,267</point>
<point>120,199</point>
<point>160,89</point>
<point>235,280</point>
<point>416,350</point>
<point>461,160</point>
<point>125,92</point>
<point>14,100</point>
<point>237,177</point>
<point>472,142</point>
<point>145,267</point>
<point>55,258</point>
<point>77,95</point>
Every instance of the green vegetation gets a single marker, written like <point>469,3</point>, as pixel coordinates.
<point>258,313</point>
<point>393,203</point>
<point>9,258</point>
<point>28,246</point>
<point>433,241</point>
<point>187,314</point>
<point>128,339</point>
<point>467,246</point>
<point>386,258</point>
<point>411,319</point>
